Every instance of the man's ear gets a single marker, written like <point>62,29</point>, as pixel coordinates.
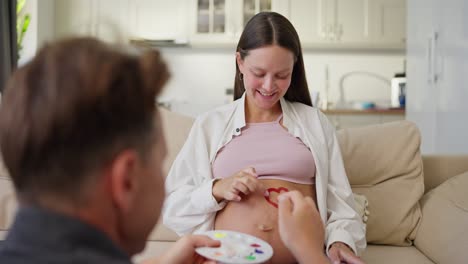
<point>123,179</point>
<point>240,62</point>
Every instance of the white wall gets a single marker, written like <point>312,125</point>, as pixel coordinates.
<point>200,76</point>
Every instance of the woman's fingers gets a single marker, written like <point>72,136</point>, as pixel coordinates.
<point>251,171</point>
<point>244,182</point>
<point>240,186</point>
<point>232,196</point>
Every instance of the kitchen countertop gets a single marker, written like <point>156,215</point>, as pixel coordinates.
<point>375,111</point>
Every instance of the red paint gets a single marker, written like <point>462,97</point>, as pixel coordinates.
<point>276,190</point>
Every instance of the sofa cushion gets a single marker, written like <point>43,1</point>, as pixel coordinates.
<point>176,128</point>
<point>383,163</point>
<point>443,233</point>
<point>392,254</point>
<point>8,204</point>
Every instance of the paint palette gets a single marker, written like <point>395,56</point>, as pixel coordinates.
<point>236,247</point>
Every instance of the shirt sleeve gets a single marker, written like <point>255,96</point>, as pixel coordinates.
<point>343,223</point>
<point>190,206</point>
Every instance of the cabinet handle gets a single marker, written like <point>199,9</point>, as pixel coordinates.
<point>340,31</point>
<point>432,76</point>
<point>429,59</point>
<point>435,75</point>
<point>330,32</point>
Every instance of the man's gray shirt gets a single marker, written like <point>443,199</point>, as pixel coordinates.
<point>41,236</point>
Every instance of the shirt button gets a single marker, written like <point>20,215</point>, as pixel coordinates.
<point>237,130</point>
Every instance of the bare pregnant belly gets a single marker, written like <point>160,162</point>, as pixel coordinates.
<point>255,216</point>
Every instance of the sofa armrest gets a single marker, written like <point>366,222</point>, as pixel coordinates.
<point>439,168</point>
<point>8,204</point>
<point>443,233</point>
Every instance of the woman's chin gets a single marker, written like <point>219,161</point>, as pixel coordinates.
<point>266,104</point>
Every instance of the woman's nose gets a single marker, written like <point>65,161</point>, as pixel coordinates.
<point>268,84</point>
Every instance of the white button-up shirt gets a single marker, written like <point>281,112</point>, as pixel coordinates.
<point>190,206</point>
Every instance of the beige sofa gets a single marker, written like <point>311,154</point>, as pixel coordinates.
<point>417,206</point>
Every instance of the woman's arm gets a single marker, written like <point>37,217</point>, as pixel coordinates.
<point>343,224</point>
<point>189,204</point>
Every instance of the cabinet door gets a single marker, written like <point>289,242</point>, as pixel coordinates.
<point>311,18</point>
<point>73,18</point>
<point>222,21</point>
<point>351,21</point>
<point>422,94</point>
<point>331,21</point>
<point>104,19</point>
<point>388,21</point>
<point>158,19</point>
<point>111,20</point>
<point>252,7</point>
<point>215,21</point>
<point>450,75</point>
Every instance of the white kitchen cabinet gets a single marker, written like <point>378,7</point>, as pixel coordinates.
<point>74,18</point>
<point>388,19</point>
<point>119,20</point>
<point>437,63</point>
<point>350,23</point>
<point>309,19</point>
<point>222,21</point>
<point>104,19</point>
<point>159,19</point>
<point>331,21</point>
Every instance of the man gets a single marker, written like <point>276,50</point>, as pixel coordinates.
<point>83,144</point>
<point>82,140</point>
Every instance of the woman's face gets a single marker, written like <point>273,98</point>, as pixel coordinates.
<point>267,75</point>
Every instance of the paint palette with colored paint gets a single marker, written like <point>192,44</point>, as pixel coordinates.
<point>237,248</point>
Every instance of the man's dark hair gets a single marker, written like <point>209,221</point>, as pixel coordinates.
<point>71,109</point>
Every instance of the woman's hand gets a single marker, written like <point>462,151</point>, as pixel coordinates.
<point>340,253</point>
<point>301,228</point>
<point>244,182</point>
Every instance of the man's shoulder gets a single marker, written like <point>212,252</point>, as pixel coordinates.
<point>25,255</point>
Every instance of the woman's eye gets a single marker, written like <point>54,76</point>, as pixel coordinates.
<point>259,75</point>
<point>282,77</point>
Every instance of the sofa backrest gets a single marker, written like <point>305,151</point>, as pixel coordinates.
<point>384,142</point>
<point>383,163</point>
<point>439,168</point>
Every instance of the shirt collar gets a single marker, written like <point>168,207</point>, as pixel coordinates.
<point>239,116</point>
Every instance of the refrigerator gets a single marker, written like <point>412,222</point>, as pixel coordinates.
<point>437,74</point>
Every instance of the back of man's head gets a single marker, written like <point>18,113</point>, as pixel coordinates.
<point>71,109</point>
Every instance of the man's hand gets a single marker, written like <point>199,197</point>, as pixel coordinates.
<point>341,253</point>
<point>183,251</point>
<point>301,228</point>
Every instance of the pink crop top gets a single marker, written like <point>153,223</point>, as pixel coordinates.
<point>271,150</point>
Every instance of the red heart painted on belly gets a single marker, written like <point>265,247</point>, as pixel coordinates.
<point>273,200</point>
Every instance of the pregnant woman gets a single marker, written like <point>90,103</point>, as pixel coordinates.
<point>270,140</point>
